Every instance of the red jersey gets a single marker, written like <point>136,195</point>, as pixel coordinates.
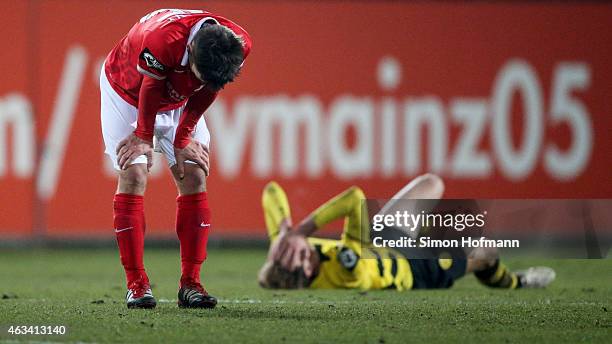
<point>156,46</point>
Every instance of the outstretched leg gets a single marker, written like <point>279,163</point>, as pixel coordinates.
<point>486,266</point>
<point>490,271</point>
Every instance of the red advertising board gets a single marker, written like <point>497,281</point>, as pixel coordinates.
<point>503,100</point>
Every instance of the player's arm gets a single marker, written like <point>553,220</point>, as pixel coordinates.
<point>184,147</point>
<point>141,140</point>
<point>293,249</point>
<point>196,105</point>
<point>149,98</point>
<point>152,63</point>
<point>347,205</point>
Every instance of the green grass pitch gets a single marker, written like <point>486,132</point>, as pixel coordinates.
<point>84,290</point>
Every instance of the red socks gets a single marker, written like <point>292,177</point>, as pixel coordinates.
<point>129,224</point>
<point>192,227</point>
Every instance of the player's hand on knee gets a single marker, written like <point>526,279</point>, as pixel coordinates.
<point>194,151</point>
<point>132,147</point>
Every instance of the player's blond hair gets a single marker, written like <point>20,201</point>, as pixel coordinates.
<point>273,276</point>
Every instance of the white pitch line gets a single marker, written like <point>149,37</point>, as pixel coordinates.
<point>328,302</point>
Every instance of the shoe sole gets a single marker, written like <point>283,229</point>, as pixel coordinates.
<point>144,304</point>
<point>204,304</point>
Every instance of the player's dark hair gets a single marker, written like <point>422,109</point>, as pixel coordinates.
<point>218,55</point>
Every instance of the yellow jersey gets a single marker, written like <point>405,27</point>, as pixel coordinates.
<point>353,265</point>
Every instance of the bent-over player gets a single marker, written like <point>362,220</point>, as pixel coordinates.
<point>156,83</point>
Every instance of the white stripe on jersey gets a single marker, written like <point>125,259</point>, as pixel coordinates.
<point>147,73</point>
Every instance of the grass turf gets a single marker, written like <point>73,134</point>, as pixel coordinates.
<point>84,289</point>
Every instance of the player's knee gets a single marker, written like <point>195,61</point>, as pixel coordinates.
<point>194,180</point>
<point>433,183</point>
<point>133,180</point>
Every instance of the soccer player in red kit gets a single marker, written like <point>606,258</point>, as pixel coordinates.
<point>155,84</point>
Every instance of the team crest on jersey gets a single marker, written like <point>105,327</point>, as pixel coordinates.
<point>151,61</point>
<point>173,93</point>
<point>348,258</point>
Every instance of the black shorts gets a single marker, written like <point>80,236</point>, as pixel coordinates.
<point>435,273</point>
<point>429,272</point>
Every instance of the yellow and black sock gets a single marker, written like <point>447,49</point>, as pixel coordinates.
<point>498,276</point>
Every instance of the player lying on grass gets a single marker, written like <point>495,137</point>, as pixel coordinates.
<point>298,260</point>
